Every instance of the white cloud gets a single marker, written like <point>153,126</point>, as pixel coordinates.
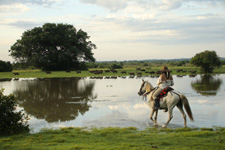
<point>112,5</point>
<point>25,24</point>
<point>37,2</point>
<point>15,8</point>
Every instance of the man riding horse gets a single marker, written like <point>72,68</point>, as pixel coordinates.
<point>165,80</point>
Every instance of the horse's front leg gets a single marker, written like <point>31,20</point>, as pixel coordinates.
<point>156,115</point>
<point>151,115</point>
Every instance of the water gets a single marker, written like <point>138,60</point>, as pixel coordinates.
<point>87,102</point>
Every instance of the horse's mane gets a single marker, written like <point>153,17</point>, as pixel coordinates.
<point>149,87</point>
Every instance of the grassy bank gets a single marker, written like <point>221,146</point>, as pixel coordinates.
<point>58,74</point>
<point>118,138</point>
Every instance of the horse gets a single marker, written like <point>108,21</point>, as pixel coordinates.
<point>172,99</point>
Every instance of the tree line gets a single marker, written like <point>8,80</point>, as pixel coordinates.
<point>57,47</point>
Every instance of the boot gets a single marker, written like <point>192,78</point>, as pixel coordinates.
<point>157,104</point>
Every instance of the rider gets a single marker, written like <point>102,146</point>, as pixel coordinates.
<point>165,80</point>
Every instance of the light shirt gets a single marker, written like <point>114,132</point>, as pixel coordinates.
<point>164,84</point>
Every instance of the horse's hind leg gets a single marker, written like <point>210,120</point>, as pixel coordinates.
<point>170,112</point>
<point>180,107</point>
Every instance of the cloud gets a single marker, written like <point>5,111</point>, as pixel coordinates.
<point>24,24</point>
<point>37,2</point>
<point>167,29</point>
<point>113,5</point>
<point>15,8</point>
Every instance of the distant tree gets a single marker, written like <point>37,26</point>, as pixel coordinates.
<point>222,62</point>
<point>207,60</point>
<point>5,66</point>
<point>53,47</point>
<point>116,66</point>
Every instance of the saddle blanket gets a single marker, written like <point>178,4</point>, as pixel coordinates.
<point>164,93</point>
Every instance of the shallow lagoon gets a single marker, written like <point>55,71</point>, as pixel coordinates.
<point>87,102</point>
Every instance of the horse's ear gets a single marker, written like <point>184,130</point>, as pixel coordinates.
<point>143,80</point>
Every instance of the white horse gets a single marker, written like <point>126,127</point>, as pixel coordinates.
<point>168,102</point>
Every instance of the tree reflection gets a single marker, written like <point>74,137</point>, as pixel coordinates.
<point>208,85</point>
<point>55,99</point>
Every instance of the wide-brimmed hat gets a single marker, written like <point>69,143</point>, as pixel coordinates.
<point>165,68</point>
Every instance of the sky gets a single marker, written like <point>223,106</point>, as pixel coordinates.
<point>124,29</point>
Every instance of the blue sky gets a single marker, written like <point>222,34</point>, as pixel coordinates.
<point>124,29</point>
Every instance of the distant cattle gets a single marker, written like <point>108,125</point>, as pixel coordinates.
<point>179,70</point>
<point>139,74</point>
<point>152,72</point>
<point>158,72</point>
<point>131,73</point>
<point>193,72</point>
<point>16,73</point>
<point>107,71</point>
<point>138,68</point>
<point>113,71</point>
<point>96,71</point>
<point>48,72</point>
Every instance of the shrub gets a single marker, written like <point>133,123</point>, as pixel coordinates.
<point>115,66</point>
<point>5,66</point>
<point>11,122</point>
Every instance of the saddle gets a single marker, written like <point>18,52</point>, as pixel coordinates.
<point>164,92</point>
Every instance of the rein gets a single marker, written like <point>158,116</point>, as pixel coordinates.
<point>146,93</point>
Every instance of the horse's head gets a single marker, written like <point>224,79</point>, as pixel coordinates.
<point>145,88</point>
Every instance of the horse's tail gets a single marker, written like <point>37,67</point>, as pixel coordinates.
<point>187,106</point>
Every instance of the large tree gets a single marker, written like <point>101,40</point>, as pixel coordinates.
<point>207,61</point>
<point>53,47</point>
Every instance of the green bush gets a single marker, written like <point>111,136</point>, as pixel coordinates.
<point>115,66</point>
<point>5,66</point>
<point>11,122</point>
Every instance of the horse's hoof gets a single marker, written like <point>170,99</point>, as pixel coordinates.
<point>164,126</point>
<point>156,125</point>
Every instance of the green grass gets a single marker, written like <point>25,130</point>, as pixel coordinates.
<point>59,74</point>
<point>118,138</point>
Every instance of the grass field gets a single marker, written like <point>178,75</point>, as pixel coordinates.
<point>118,138</point>
<point>57,74</point>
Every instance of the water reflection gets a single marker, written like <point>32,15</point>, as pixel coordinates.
<point>55,99</point>
<point>53,103</point>
<point>207,85</point>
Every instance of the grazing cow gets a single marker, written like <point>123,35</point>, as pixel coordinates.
<point>48,72</point>
<point>107,71</point>
<point>78,71</point>
<point>158,72</point>
<point>123,72</point>
<point>193,72</point>
<point>139,74</point>
<point>131,73</point>
<point>152,72</point>
<point>179,70</point>
<point>96,71</point>
<point>113,71</point>
<point>16,73</point>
